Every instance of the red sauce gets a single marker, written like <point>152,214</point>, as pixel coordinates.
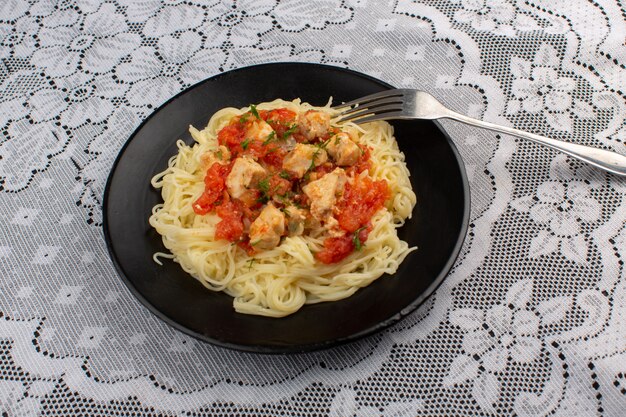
<point>360,201</point>
<point>278,186</point>
<point>281,120</point>
<point>337,248</point>
<point>232,136</point>
<point>245,245</point>
<point>354,211</point>
<point>231,226</point>
<point>274,156</point>
<point>214,185</point>
<point>324,169</point>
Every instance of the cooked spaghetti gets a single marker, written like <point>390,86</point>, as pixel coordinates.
<point>280,206</point>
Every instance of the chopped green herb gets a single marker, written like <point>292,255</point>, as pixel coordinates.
<point>244,118</point>
<point>290,131</point>
<point>254,111</point>
<point>264,185</point>
<point>245,144</point>
<point>337,139</point>
<point>284,175</point>
<point>250,262</point>
<point>323,144</point>
<point>285,197</point>
<point>356,240</point>
<point>317,151</point>
<point>270,137</point>
<point>256,242</point>
<point>219,155</point>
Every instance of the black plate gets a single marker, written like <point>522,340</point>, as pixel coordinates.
<point>438,226</point>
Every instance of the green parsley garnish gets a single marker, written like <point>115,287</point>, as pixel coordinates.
<point>290,131</point>
<point>219,154</point>
<point>320,146</point>
<point>270,137</point>
<point>244,118</point>
<point>356,240</point>
<point>264,185</point>
<point>245,144</point>
<point>254,111</point>
<point>250,262</point>
<point>284,175</point>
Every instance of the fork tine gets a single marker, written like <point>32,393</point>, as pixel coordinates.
<point>371,97</point>
<point>373,105</point>
<point>360,112</point>
<point>375,117</point>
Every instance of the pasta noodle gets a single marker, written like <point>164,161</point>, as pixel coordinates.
<point>277,281</point>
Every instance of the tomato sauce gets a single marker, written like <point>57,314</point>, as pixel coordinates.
<point>338,248</point>
<point>361,198</point>
<point>273,156</point>
<point>231,226</point>
<point>214,185</point>
<point>360,201</point>
<point>232,136</point>
<point>281,120</point>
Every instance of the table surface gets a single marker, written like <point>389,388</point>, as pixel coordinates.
<point>530,322</point>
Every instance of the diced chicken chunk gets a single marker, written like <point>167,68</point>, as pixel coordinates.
<point>266,230</point>
<point>259,130</point>
<point>314,124</point>
<point>244,173</point>
<point>295,218</point>
<point>299,159</point>
<point>221,155</point>
<point>332,227</point>
<point>343,150</point>
<point>323,193</point>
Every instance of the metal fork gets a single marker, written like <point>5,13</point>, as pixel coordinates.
<point>415,104</point>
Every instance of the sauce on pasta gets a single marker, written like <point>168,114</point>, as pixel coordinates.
<point>279,206</point>
<point>270,138</point>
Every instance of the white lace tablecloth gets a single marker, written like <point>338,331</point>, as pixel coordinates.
<point>530,322</point>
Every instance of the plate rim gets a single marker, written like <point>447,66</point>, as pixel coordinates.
<point>286,349</point>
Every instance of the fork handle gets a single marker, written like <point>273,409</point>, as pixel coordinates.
<point>607,160</point>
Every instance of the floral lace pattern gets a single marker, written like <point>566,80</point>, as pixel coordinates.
<point>530,321</point>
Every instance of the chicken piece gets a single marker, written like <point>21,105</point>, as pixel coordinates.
<point>304,157</point>
<point>314,124</point>
<point>343,150</point>
<point>331,225</point>
<point>244,173</point>
<point>221,155</point>
<point>266,230</point>
<point>294,217</point>
<point>323,193</point>
<point>259,129</point>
